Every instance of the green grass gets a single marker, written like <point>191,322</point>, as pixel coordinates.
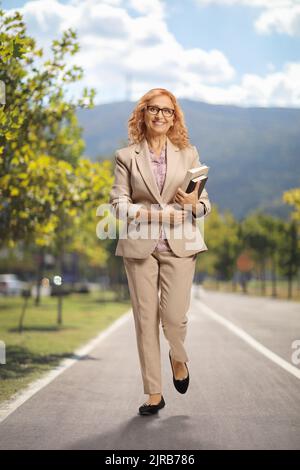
<point>43,344</point>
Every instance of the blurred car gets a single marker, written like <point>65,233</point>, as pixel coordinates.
<point>63,289</point>
<point>67,287</point>
<point>81,287</point>
<point>10,284</point>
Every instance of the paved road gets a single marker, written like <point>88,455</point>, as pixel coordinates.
<point>238,398</point>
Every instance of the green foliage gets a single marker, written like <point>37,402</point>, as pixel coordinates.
<point>292,197</point>
<point>45,184</point>
<point>221,233</point>
<point>263,234</point>
<point>268,243</point>
<point>289,251</point>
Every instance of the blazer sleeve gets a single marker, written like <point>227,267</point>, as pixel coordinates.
<point>204,206</point>
<point>120,194</point>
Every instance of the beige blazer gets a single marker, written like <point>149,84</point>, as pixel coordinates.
<point>135,183</point>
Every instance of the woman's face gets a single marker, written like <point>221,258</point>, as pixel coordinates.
<point>159,124</point>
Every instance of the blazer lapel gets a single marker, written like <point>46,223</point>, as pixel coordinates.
<point>143,160</point>
<point>173,157</point>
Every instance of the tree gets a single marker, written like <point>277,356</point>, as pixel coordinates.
<point>289,255</point>
<point>37,122</point>
<point>47,188</point>
<point>292,197</point>
<point>256,238</point>
<point>291,265</point>
<point>221,233</point>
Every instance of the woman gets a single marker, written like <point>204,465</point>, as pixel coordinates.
<point>160,257</point>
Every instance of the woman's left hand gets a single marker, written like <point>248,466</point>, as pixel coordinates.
<point>183,198</point>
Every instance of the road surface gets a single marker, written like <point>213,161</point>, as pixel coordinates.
<point>244,389</point>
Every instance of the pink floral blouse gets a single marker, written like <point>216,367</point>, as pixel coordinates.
<point>159,168</point>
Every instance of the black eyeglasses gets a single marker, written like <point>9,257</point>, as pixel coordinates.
<point>167,112</point>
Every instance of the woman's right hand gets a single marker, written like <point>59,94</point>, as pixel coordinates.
<point>169,215</point>
<point>173,216</point>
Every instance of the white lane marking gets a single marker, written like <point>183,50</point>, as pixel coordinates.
<point>9,406</point>
<point>249,339</point>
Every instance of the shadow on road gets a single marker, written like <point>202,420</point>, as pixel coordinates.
<point>140,433</point>
<point>21,362</point>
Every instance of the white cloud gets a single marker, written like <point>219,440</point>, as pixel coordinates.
<point>116,46</point>
<point>119,50</point>
<point>281,20</point>
<point>148,7</point>
<point>280,89</point>
<point>254,3</point>
<point>280,16</point>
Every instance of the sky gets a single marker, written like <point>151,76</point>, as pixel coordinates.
<point>241,52</point>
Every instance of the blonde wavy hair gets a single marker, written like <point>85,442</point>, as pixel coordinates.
<point>178,133</point>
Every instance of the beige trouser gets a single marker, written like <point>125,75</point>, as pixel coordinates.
<point>170,276</point>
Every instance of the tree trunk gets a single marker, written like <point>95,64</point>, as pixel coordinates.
<point>21,321</point>
<point>263,278</point>
<point>61,287</point>
<point>274,278</point>
<point>59,309</point>
<point>39,275</point>
<point>290,286</point>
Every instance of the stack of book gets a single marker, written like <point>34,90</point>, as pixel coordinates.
<point>193,176</point>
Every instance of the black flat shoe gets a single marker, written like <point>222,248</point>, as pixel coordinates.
<point>147,409</point>
<point>181,385</point>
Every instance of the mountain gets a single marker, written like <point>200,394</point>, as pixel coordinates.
<point>253,153</point>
